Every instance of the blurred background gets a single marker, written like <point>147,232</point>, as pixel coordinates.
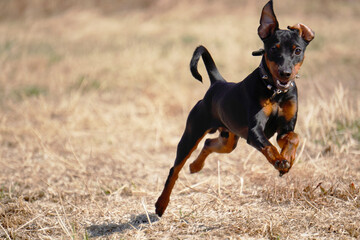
<point>94,96</point>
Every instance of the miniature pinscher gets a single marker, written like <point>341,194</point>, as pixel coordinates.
<point>264,103</point>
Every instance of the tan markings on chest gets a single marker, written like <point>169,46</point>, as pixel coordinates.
<point>288,110</point>
<point>268,107</point>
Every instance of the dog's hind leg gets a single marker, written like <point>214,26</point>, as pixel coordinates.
<point>197,125</point>
<point>225,143</point>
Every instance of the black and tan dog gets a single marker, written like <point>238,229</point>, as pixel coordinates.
<point>264,103</point>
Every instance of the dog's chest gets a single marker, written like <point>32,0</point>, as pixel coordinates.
<point>286,109</point>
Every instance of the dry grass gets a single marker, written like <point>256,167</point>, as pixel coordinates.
<point>93,103</point>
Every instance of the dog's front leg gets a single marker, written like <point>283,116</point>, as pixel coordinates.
<point>288,143</point>
<point>257,139</point>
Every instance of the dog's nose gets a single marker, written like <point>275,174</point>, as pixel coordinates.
<point>285,73</point>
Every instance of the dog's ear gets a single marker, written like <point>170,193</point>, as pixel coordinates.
<point>268,21</point>
<point>304,31</point>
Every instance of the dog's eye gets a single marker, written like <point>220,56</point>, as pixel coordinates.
<point>297,51</point>
<point>273,49</point>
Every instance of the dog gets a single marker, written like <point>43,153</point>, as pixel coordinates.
<point>264,103</point>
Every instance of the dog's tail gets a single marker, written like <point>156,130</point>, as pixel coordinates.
<point>213,72</point>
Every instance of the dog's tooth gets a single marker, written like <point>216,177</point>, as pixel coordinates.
<point>282,84</point>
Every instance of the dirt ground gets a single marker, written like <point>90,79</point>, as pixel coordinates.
<point>93,101</point>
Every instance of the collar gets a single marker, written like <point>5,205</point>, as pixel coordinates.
<point>265,76</point>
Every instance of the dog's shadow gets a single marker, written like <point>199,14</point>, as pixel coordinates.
<point>110,228</point>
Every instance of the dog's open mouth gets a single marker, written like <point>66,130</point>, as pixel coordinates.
<point>283,85</point>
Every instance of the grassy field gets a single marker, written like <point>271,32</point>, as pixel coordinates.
<point>94,99</point>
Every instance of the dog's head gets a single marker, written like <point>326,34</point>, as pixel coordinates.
<point>284,49</point>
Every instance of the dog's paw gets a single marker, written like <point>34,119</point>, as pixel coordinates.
<point>283,166</point>
<point>161,205</point>
<point>195,167</point>
<point>159,208</point>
